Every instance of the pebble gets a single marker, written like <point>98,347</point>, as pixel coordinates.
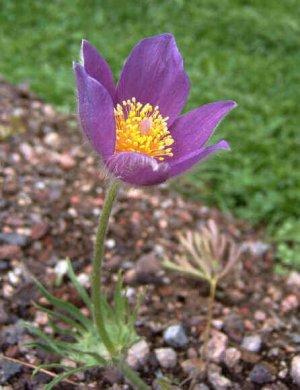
<point>295,369</point>
<point>166,357</point>
<point>231,357</point>
<point>218,381</point>
<point>8,252</point>
<point>8,370</point>
<point>193,367</point>
<point>252,343</point>
<point>138,354</point>
<point>294,279</point>
<point>216,346</point>
<point>261,374</point>
<point>234,327</point>
<point>289,303</point>
<point>260,315</point>
<point>175,336</point>
<point>14,239</point>
<point>66,161</point>
<point>112,375</point>
<point>256,248</point>
<point>52,139</point>
<point>61,268</point>
<point>200,386</point>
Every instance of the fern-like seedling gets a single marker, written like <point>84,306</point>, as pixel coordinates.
<point>83,345</point>
<point>209,255</point>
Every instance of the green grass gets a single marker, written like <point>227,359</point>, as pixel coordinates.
<point>234,49</point>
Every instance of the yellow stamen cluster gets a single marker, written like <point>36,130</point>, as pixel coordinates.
<point>141,128</point>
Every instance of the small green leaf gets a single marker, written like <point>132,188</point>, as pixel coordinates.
<point>80,289</point>
<point>61,316</point>
<point>63,305</point>
<point>65,375</point>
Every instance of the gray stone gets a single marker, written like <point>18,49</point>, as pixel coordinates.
<point>260,374</point>
<point>294,279</point>
<point>175,336</point>
<point>138,354</point>
<point>8,370</point>
<point>295,369</point>
<point>256,248</point>
<point>218,381</point>
<point>231,357</point>
<point>166,357</point>
<point>200,386</point>
<point>216,346</point>
<point>252,343</point>
<point>14,239</point>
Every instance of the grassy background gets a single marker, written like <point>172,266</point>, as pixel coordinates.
<point>234,49</point>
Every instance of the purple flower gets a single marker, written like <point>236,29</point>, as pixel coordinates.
<point>136,126</point>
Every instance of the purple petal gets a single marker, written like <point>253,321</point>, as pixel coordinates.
<point>137,169</point>
<point>154,73</point>
<point>186,162</point>
<point>192,130</point>
<point>96,67</point>
<point>95,109</point>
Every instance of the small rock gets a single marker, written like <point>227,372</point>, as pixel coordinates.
<point>8,252</point>
<point>66,161</point>
<point>194,368</point>
<point>294,279</point>
<point>259,315</point>
<point>112,375</point>
<point>216,346</point>
<point>231,357</point>
<point>148,269</point>
<point>166,357</point>
<point>295,369</point>
<point>11,335</point>
<point>200,386</point>
<point>39,230</point>
<point>14,239</point>
<point>138,354</point>
<point>218,381</point>
<point>234,327</point>
<point>61,268</point>
<point>295,337</point>
<point>256,248</point>
<point>175,336</point>
<point>8,370</point>
<point>261,374</point>
<point>252,343</point>
<point>289,303</point>
<point>52,139</point>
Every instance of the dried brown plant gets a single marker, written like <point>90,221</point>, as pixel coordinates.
<point>206,254</point>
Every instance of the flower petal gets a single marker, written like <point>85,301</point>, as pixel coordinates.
<point>137,168</point>
<point>96,67</point>
<point>192,130</point>
<point>153,73</point>
<point>95,109</point>
<point>186,162</point>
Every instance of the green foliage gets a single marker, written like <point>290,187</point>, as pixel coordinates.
<point>288,240</point>
<point>246,50</point>
<point>84,345</point>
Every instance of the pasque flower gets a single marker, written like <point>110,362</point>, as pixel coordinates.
<point>136,126</point>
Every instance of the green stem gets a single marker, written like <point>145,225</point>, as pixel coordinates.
<point>97,266</point>
<point>132,376</point>
<point>213,286</point>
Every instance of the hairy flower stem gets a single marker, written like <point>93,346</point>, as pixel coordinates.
<point>212,294</point>
<point>97,266</point>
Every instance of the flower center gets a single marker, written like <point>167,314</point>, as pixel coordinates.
<point>141,128</point>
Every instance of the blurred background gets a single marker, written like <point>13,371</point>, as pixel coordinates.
<point>233,49</point>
